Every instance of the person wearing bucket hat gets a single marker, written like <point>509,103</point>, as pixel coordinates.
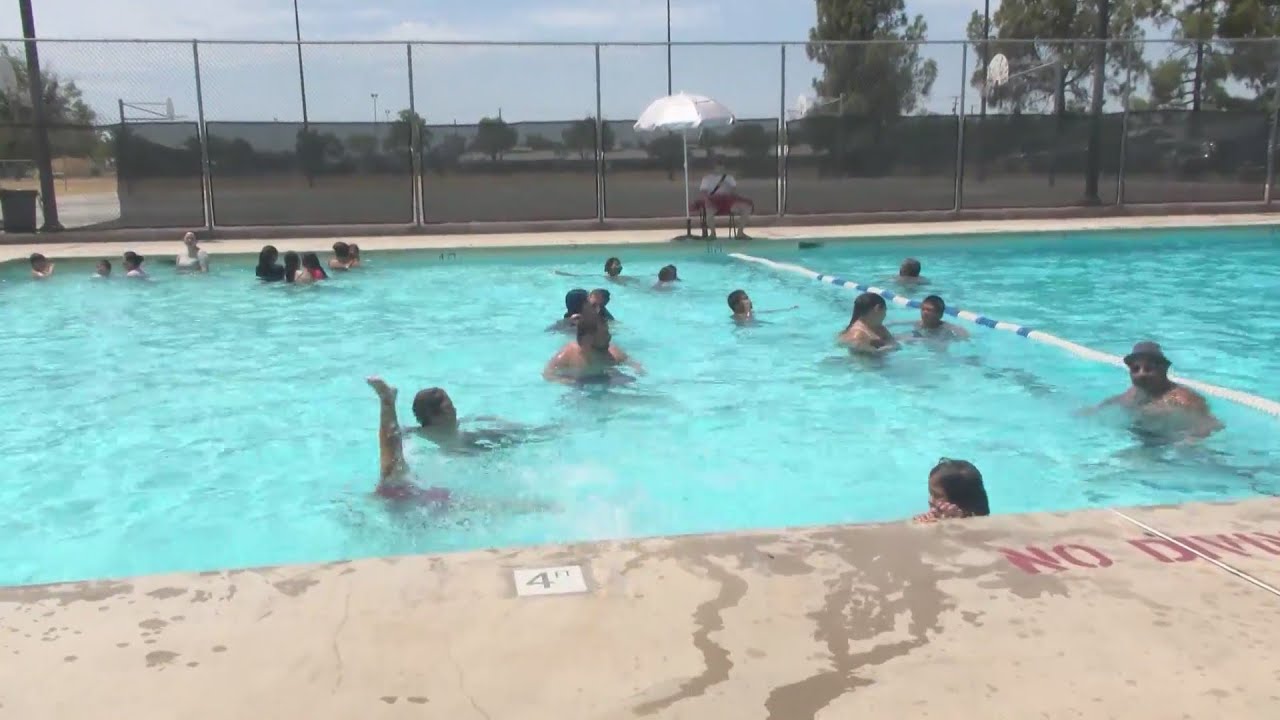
<point>1161,406</point>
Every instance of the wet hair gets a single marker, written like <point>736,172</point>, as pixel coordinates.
<point>909,268</point>
<point>611,262</point>
<point>667,273</point>
<point>355,250</point>
<point>589,324</point>
<point>864,304</point>
<point>107,263</point>
<point>133,258</point>
<point>427,403</point>
<point>936,302</point>
<point>961,483</point>
<point>604,303</point>
<point>311,261</point>
<point>342,250</point>
<point>291,264</point>
<point>37,258</point>
<point>267,256</point>
<point>736,297</point>
<point>574,301</point>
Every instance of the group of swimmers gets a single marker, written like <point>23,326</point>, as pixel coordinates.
<point>1158,406</point>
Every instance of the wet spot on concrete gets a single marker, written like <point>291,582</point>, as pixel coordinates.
<point>294,586</point>
<point>152,641</point>
<point>200,596</point>
<point>348,571</point>
<point>152,624</point>
<point>65,594</point>
<point>219,648</point>
<point>193,664</point>
<point>417,700</point>
<point>70,658</point>
<point>160,657</point>
<point>389,699</point>
<point>754,653</point>
<point>177,618</point>
<point>165,593</point>
<point>122,645</point>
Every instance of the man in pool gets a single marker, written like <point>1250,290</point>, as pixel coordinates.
<point>909,273</point>
<point>591,358</point>
<point>41,268</point>
<point>931,326</point>
<point>612,272</point>
<point>438,422</point>
<point>1161,408</point>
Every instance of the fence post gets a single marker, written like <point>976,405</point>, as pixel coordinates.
<point>202,133</point>
<point>964,74</point>
<point>415,146</point>
<point>1271,138</point>
<point>600,208</point>
<point>782,133</point>
<point>1124,121</point>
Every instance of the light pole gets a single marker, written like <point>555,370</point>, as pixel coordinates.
<point>35,83</point>
<point>986,42</point>
<point>668,47</point>
<point>375,107</point>
<point>302,79</point>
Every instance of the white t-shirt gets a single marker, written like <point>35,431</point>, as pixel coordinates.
<point>185,261</point>
<point>709,183</point>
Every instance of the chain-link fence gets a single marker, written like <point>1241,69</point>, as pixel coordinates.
<point>190,134</point>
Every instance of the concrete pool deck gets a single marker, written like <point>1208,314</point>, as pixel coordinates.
<point>54,249</point>
<point>1050,615</point>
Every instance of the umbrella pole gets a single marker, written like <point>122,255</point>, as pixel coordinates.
<point>688,223</point>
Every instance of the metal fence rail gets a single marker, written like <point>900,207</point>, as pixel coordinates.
<point>214,133</point>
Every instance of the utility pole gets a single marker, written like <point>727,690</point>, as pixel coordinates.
<point>35,83</point>
<point>1094,170</point>
<point>668,47</point>
<point>302,79</point>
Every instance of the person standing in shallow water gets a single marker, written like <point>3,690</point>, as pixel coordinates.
<point>1162,410</point>
<point>866,333</point>
<point>269,268</point>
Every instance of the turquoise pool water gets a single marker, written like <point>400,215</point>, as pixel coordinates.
<point>191,422</point>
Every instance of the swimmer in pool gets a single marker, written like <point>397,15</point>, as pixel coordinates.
<point>866,334</point>
<point>955,491</point>
<point>931,326</point>
<point>103,269</point>
<point>41,268</point>
<point>909,273</point>
<point>612,272</point>
<point>743,309</point>
<point>438,422</point>
<point>574,302</point>
<point>591,357</point>
<point>394,480</point>
<point>1161,408</point>
<point>192,258</point>
<point>667,278</point>
<point>599,301</point>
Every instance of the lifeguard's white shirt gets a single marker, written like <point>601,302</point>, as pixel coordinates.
<point>709,183</point>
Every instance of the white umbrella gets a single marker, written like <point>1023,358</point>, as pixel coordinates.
<point>684,113</point>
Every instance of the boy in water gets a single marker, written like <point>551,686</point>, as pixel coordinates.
<point>591,357</point>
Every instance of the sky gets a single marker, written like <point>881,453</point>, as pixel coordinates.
<point>450,83</point>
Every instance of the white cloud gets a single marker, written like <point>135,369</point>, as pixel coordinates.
<point>232,19</point>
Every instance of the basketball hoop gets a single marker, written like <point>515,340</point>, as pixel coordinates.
<point>997,71</point>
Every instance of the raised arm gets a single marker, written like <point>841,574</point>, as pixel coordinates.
<point>392,467</point>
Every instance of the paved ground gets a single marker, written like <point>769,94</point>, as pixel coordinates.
<point>1044,615</point>
<point>605,238</point>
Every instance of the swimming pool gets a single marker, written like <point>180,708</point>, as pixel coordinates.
<point>199,422</point>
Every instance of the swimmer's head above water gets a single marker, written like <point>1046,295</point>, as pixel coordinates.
<point>434,408</point>
<point>104,268</point>
<point>960,483</point>
<point>910,268</point>
<point>931,310</point>
<point>599,301</point>
<point>870,309</point>
<point>1148,367</point>
<point>593,333</point>
<point>613,267</point>
<point>133,261</point>
<point>740,303</point>
<point>574,301</point>
<point>668,274</point>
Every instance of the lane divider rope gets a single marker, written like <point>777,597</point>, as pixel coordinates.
<point>1261,404</point>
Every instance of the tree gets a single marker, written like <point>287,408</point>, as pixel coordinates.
<point>64,105</point>
<point>1253,64</point>
<point>314,149</point>
<point>1195,72</point>
<point>494,137</point>
<point>882,80</point>
<point>750,139</point>
<point>1053,76</point>
<point>539,143</point>
<point>668,150</point>
<point>401,133</point>
<point>581,136</point>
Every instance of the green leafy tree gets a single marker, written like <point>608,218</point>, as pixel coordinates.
<point>1054,76</point>
<point>401,133</point>
<point>882,80</point>
<point>1253,64</point>
<point>750,139</point>
<point>314,151</point>
<point>63,104</point>
<point>580,136</point>
<point>1195,72</point>
<point>668,150</point>
<point>494,137</point>
<point>539,143</point>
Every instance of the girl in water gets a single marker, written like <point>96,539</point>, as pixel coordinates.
<point>866,333</point>
<point>311,266</point>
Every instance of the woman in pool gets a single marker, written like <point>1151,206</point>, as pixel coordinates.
<point>355,255</point>
<point>311,266</point>
<point>866,332</point>
<point>955,491</point>
<point>293,272</point>
<point>133,265</point>
<point>269,269</point>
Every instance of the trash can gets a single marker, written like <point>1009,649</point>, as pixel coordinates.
<point>19,209</point>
